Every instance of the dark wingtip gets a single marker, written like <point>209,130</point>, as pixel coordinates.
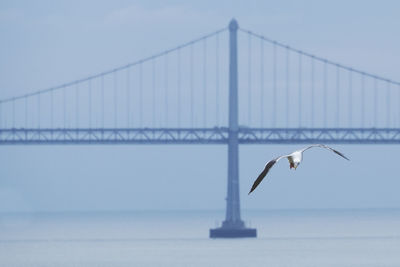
<point>345,157</point>
<point>340,154</point>
<point>252,189</point>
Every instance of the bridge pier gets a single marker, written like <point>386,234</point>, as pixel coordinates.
<point>233,226</point>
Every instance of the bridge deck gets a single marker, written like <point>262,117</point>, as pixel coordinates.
<point>216,135</point>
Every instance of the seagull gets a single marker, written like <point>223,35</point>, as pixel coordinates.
<point>294,159</point>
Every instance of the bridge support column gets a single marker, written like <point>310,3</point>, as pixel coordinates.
<point>233,226</point>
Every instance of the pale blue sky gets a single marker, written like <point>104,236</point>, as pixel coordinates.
<point>45,43</point>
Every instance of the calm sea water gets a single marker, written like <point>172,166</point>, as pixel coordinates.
<point>285,238</point>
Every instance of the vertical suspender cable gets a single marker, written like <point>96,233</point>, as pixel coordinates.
<point>204,82</point>
<point>51,108</point>
<point>102,101</point>
<point>13,113</point>
<point>362,101</point>
<point>77,104</point>
<point>64,106</point>
<point>217,79</point>
<point>262,82</point>
<point>350,103</point>
<point>337,96</point>
<point>90,104</point>
<point>300,95</point>
<point>249,80</point>
<point>274,62</point>
<point>4,117</point>
<point>115,98</point>
<point>154,91</point>
<point>141,93</point>
<point>399,101</point>
<point>325,93</point>
<point>128,98</point>
<point>179,86</point>
<point>166,90</point>
<point>312,93</point>
<point>287,85</point>
<point>191,88</point>
<point>375,103</point>
<point>38,108</point>
<point>388,106</point>
<point>26,113</point>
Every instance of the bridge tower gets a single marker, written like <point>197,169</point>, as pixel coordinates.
<point>233,226</point>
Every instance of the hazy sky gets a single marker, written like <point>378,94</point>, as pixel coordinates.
<point>46,43</point>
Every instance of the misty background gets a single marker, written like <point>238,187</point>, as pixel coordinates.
<point>46,43</point>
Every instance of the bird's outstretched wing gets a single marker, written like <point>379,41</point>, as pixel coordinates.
<point>326,147</point>
<point>268,166</point>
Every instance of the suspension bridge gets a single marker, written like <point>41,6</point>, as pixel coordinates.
<point>192,94</point>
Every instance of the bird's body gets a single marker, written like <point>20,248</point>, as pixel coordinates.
<point>294,159</point>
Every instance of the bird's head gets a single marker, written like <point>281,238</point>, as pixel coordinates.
<point>294,165</point>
